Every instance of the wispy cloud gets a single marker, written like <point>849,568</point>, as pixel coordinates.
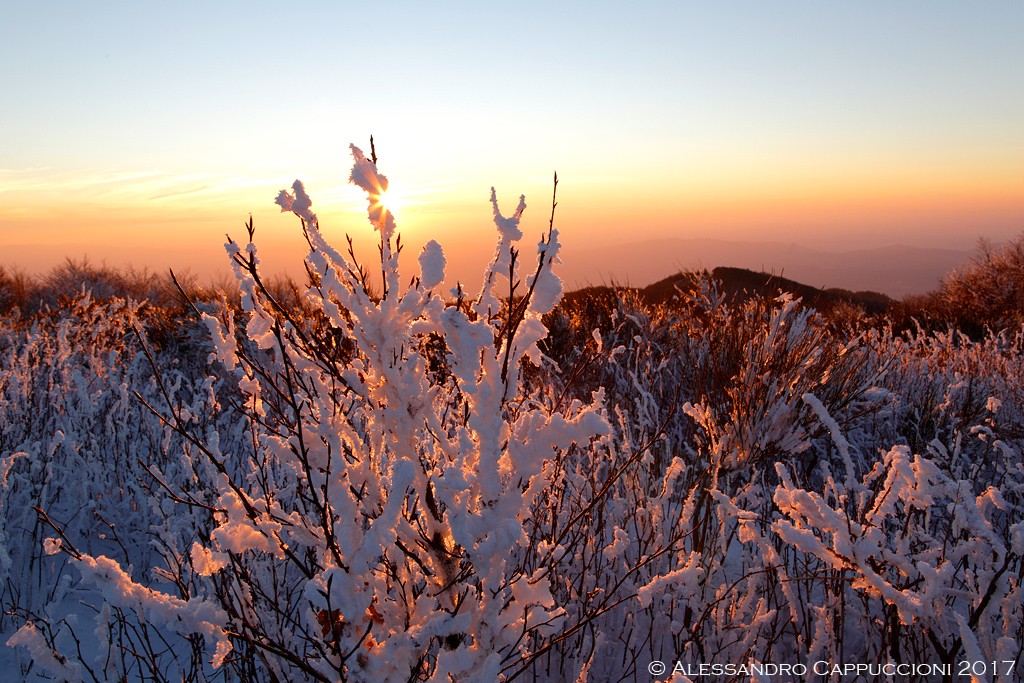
<point>41,185</point>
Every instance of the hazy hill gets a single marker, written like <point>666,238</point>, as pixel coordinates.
<point>741,283</point>
<point>896,270</point>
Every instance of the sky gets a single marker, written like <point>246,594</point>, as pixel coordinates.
<point>143,132</point>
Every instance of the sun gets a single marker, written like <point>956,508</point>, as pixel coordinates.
<point>391,200</point>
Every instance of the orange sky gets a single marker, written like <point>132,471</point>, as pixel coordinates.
<point>148,230</point>
<point>138,134</point>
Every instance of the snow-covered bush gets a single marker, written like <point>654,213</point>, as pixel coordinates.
<point>985,294</point>
<point>80,453</point>
<point>990,290</point>
<point>788,436</point>
<point>395,487</point>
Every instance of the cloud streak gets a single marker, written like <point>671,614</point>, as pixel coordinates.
<point>41,186</point>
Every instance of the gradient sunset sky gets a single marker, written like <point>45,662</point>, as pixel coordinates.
<point>142,132</point>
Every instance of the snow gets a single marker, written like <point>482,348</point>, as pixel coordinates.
<point>297,202</point>
<point>432,264</point>
<point>679,584</point>
<point>193,616</point>
<point>29,637</point>
<point>365,175</point>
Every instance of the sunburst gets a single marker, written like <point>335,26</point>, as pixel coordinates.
<point>390,200</point>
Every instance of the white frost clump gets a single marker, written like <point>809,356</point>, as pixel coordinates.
<point>192,616</point>
<point>1017,539</point>
<point>618,546</point>
<point>432,264</point>
<point>298,202</point>
<point>29,637</point>
<point>224,345</point>
<point>547,287</point>
<point>365,175</point>
<point>206,562</point>
<point>681,583</point>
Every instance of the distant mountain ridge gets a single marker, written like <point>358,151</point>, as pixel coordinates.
<point>740,284</point>
<point>897,270</point>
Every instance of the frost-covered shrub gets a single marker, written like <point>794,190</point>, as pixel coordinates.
<point>394,495</point>
<point>985,294</point>
<point>779,417</point>
<point>990,290</point>
<point>81,461</point>
<point>17,290</point>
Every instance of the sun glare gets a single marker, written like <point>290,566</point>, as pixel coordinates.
<point>391,200</point>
